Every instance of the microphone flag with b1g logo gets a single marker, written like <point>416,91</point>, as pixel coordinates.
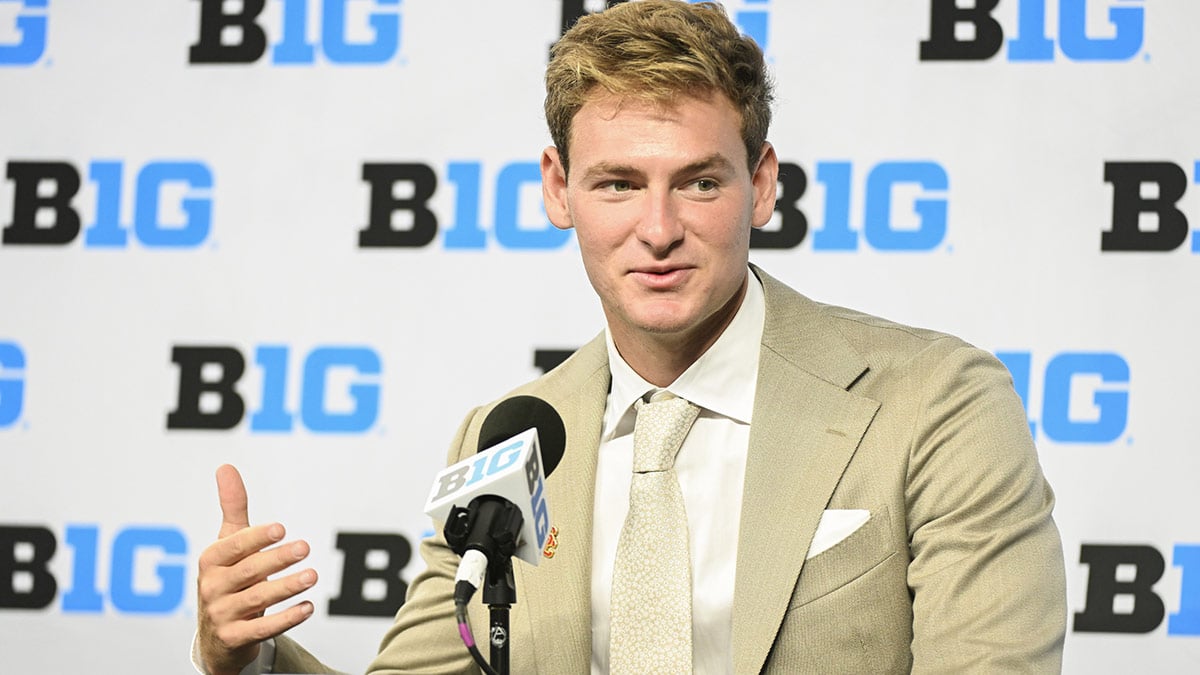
<point>511,470</point>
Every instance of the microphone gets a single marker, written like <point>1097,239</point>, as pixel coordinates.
<point>494,504</point>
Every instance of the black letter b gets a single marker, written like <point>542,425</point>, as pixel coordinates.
<point>944,45</point>
<point>210,48</point>
<point>1098,615</point>
<point>191,362</point>
<point>1129,204</point>
<point>353,599</point>
<point>27,203</point>
<point>42,586</point>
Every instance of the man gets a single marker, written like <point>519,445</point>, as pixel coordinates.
<point>860,496</point>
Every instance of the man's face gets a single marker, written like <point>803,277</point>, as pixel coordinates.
<point>662,203</point>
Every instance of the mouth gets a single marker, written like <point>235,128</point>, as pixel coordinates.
<point>661,277</point>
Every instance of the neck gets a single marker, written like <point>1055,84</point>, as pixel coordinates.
<point>660,358</point>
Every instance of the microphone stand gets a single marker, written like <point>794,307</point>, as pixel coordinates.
<point>499,594</point>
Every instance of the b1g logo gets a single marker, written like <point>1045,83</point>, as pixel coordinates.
<point>752,17</point>
<point>483,466</point>
<point>351,32</point>
<point>537,496</point>
<point>147,568</point>
<point>22,31</point>
<point>12,383</point>
<point>145,565</point>
<point>1120,595</point>
<point>172,204</point>
<point>1145,211</point>
<point>971,33</point>
<point>885,226</point>
<point>1084,395</point>
<point>338,389</point>
<point>400,215</point>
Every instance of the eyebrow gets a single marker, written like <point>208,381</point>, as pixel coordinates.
<point>715,161</point>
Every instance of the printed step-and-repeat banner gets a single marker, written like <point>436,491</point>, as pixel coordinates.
<point>306,236</point>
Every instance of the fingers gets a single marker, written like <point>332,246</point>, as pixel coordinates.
<point>231,492</point>
<point>240,545</point>
<point>251,603</point>
<point>242,560</point>
<point>255,600</point>
<point>229,646</point>
<point>233,600</point>
<point>272,625</point>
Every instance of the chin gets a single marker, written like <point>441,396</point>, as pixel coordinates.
<point>665,323</point>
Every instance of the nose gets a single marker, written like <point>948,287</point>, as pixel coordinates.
<point>659,227</point>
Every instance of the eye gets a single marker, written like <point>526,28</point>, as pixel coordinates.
<point>706,185</point>
<point>620,186</point>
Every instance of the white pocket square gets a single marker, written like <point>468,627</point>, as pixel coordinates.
<point>836,525</point>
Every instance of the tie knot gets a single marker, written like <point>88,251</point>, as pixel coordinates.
<point>661,426</point>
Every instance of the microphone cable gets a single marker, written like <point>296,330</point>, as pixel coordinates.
<point>463,590</point>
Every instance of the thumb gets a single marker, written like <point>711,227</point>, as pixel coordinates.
<point>232,493</point>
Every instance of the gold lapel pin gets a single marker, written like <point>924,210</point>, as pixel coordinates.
<point>551,543</point>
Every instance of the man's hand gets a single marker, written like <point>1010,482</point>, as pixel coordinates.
<point>233,585</point>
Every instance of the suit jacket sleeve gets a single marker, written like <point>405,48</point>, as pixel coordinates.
<point>986,572</point>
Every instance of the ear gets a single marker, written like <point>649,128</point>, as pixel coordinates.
<point>554,189</point>
<point>766,183</point>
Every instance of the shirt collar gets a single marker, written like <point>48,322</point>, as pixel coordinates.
<point>722,380</point>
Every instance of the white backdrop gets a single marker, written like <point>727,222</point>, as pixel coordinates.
<point>221,206</point>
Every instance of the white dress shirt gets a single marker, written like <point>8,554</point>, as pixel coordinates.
<point>711,466</point>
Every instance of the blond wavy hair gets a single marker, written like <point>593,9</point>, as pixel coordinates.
<point>657,51</point>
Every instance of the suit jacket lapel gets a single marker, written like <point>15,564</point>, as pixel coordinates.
<point>805,429</point>
<point>558,597</point>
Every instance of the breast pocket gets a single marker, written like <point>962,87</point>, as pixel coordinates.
<point>856,555</point>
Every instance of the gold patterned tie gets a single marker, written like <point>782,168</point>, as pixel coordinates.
<point>651,612</point>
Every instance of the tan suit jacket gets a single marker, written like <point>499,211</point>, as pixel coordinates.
<point>959,568</point>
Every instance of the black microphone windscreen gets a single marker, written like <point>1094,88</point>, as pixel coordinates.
<point>519,413</point>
